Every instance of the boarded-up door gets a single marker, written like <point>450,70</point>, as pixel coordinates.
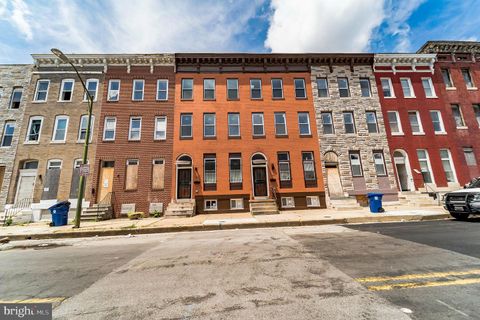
<point>334,183</point>
<point>50,187</point>
<point>75,181</point>
<point>105,183</point>
<point>26,184</point>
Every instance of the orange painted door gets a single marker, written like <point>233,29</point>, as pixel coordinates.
<point>105,184</point>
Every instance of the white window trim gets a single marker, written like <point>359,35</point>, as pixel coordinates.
<point>2,137</point>
<point>377,126</point>
<point>434,94</point>
<point>139,129</point>
<point>253,125</point>
<point>80,128</point>
<point>420,124</point>
<point>105,128</point>
<point>214,89</point>
<point>56,160</point>
<point>30,126</point>
<point>450,78</point>
<point>391,88</point>
<point>328,89</point>
<point>331,123</point>
<point>353,122</point>
<point>314,197</point>
<point>429,165</point>
<point>461,115</point>
<point>287,206</point>
<point>155,128</point>
<point>228,125</point>
<point>450,159</point>
<point>383,163</point>
<point>284,122</point>
<point>204,169</point>
<point>158,85</point>
<point>133,89</point>
<point>440,118</point>
<point>110,89</point>
<point>57,118</point>
<point>281,87</point>
<point>36,91</point>
<point>347,88</point>
<point>237,199</point>
<point>261,89</point>
<point>369,87</point>
<point>304,88</point>
<point>10,103</point>
<point>96,90</point>
<point>214,125</point>
<point>410,86</point>
<point>471,79</point>
<point>210,209</point>
<point>230,169</point>
<point>308,122</point>
<point>62,87</point>
<point>238,92</point>
<point>400,128</point>
<point>191,125</point>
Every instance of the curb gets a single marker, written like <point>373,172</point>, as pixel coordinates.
<point>252,225</point>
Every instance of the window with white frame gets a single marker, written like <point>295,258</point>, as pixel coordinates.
<point>211,205</point>
<point>82,130</point>
<point>232,89</point>
<point>458,116</point>
<point>304,124</point>
<point>469,156</point>
<point>109,128</point>
<point>343,88</point>
<point>372,124</point>
<point>135,130</point>
<point>428,88</point>
<point>407,88</point>
<point>255,88</point>
<point>284,167</point>
<point>186,125</point>
<point>277,88</point>
<point>468,78</point>
<point>54,164</point>
<point>394,122</point>
<point>425,168</point>
<point>92,87</point>
<point>8,131</point>
<point>258,124</point>
<point>66,90</point>
<point>476,110</point>
<point>209,125</point>
<point>379,162</point>
<point>60,129</point>
<point>322,88</point>
<point>209,169</point>
<point>447,79</point>
<point>162,89</point>
<point>349,122</point>
<point>16,98</point>
<point>447,164</point>
<point>437,121</point>
<point>34,129</point>
<point>138,88</point>
<point>355,164</point>
<point>113,90</point>
<point>415,122</point>
<point>313,201</point>
<point>236,204</point>
<point>288,202</point>
<point>308,166</point>
<point>187,89</point>
<point>235,166</point>
<point>300,92</point>
<point>280,123</point>
<point>208,89</point>
<point>41,91</point>
<point>160,128</point>
<point>365,87</point>
<point>234,125</point>
<point>387,88</point>
<point>327,123</point>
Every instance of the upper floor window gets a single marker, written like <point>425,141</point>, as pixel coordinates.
<point>256,88</point>
<point>394,121</point>
<point>8,131</point>
<point>257,124</point>
<point>280,123</point>
<point>415,122</point>
<point>355,164</point>
<point>209,89</point>
<point>232,89</point>
<point>476,110</point>
<point>34,128</point>
<point>113,90</point>
<point>437,121</point>
<point>160,128</point>
<point>387,88</point>
<point>82,130</point>
<point>469,156</point>
<point>109,128</point>
<point>162,89</point>
<point>60,129</point>
<point>343,88</point>
<point>458,116</point>
<point>407,88</point>
<point>428,88</point>
<point>16,98</point>
<point>349,122</point>
<point>447,79</point>
<point>371,121</point>
<point>209,129</point>
<point>41,92</point>
<point>234,125</point>
<point>138,87</point>
<point>186,125</point>
<point>277,88</point>
<point>92,87</point>
<point>135,130</point>
<point>187,89</point>
<point>468,78</point>
<point>322,87</point>
<point>66,90</point>
<point>300,92</point>
<point>308,166</point>
<point>304,123</point>
<point>365,87</point>
<point>327,123</point>
<point>379,163</point>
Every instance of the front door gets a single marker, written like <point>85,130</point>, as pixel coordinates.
<point>50,187</point>
<point>184,184</point>
<point>259,182</point>
<point>334,183</point>
<point>26,184</point>
<point>402,176</point>
<point>105,183</point>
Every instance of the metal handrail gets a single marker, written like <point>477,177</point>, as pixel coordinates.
<point>16,208</point>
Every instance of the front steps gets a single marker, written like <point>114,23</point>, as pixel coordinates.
<point>267,206</point>
<point>345,204</point>
<point>96,213</point>
<point>417,199</point>
<point>180,209</point>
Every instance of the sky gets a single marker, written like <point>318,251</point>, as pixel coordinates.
<point>157,26</point>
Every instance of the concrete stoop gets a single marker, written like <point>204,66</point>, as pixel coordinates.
<point>267,206</point>
<point>417,200</point>
<point>96,213</point>
<point>345,204</point>
<point>180,209</point>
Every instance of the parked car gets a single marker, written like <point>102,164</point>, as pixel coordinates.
<point>465,202</point>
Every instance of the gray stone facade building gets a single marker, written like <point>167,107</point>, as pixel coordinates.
<point>355,153</point>
<point>14,81</point>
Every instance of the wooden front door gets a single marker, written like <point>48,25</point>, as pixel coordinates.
<point>260,182</point>
<point>333,181</point>
<point>184,184</point>
<point>105,183</point>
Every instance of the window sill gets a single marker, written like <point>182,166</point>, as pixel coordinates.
<point>301,98</point>
<point>441,133</point>
<point>418,133</point>
<point>58,142</point>
<point>256,99</point>
<point>472,89</point>
<point>209,138</point>
<point>462,128</point>
<point>412,97</point>
<point>234,137</point>
<point>159,140</point>
<point>183,99</point>
<point>432,97</point>
<point>282,98</point>
<point>5,147</point>
<point>62,101</point>
<point>31,142</point>
<point>392,97</point>
<point>186,138</point>
<point>305,136</point>
<point>108,140</point>
<point>161,100</point>
<point>233,99</point>
<point>451,88</point>
<point>43,101</point>
<point>209,99</point>
<point>398,134</point>
<point>281,136</point>
<point>259,137</point>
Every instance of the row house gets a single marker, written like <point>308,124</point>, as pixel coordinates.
<point>14,81</point>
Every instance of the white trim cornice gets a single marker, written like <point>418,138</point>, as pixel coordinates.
<point>412,60</point>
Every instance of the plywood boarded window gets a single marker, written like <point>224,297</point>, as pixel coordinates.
<point>132,175</point>
<point>158,174</point>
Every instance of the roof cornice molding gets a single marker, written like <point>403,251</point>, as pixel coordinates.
<point>412,60</point>
<point>450,47</point>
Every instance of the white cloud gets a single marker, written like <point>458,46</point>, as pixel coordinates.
<point>19,16</point>
<point>323,26</point>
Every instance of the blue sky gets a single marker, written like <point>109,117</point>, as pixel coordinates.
<point>126,26</point>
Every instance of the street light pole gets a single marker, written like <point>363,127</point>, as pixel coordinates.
<point>81,183</point>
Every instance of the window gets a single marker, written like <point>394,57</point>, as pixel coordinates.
<point>415,122</point>
<point>349,122</point>
<point>277,88</point>
<point>41,92</point>
<point>236,204</point>
<point>313,201</point>
<point>284,168</point>
<point>113,90</point>
<point>457,116</point>
<point>365,87</point>
<point>447,164</point>
<point>209,125</point>
<point>232,89</point>
<point>162,89</point>
<point>82,130</point>
<point>304,123</point>
<point>160,128</point>
<point>322,87</point>
<point>210,205</point>
<point>379,163</point>
<point>185,125</point>
<point>60,129</point>
<point>407,88</point>
<point>66,90</point>
<point>394,121</point>
<point>34,128</point>
<point>256,88</point>
<point>235,165</point>
<point>187,89</point>
<point>437,121</point>
<point>257,123</point>
<point>308,166</point>
<point>131,176</point>
<point>446,78</point>
<point>109,128</point>
<point>468,78</point>
<point>208,89</point>
<point>355,164</point>
<point>371,121</point>
<point>135,131</point>
<point>234,125</point>
<point>424,165</point>
<point>138,86</point>
<point>280,124</point>
<point>300,89</point>
<point>476,110</point>
<point>158,174</point>
<point>54,164</point>
<point>92,86</point>
<point>30,165</point>
<point>387,88</point>
<point>343,87</point>
<point>469,157</point>
<point>8,131</point>
<point>327,123</point>
<point>428,88</point>
<point>16,98</point>
<point>288,202</point>
<point>210,169</point>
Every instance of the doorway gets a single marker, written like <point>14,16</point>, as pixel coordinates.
<point>184,178</point>
<point>105,181</point>
<point>334,183</point>
<point>259,176</point>
<point>26,181</point>
<point>402,166</point>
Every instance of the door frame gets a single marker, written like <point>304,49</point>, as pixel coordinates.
<point>410,182</point>
<point>100,174</point>
<point>176,177</point>
<point>264,165</point>
<point>26,173</point>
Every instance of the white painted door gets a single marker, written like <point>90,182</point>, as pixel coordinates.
<point>26,184</point>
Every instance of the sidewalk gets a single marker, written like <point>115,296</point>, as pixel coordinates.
<point>41,230</point>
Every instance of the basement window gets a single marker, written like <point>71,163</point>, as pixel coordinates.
<point>288,202</point>
<point>210,205</point>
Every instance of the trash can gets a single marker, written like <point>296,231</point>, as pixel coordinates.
<point>375,201</point>
<point>59,213</point>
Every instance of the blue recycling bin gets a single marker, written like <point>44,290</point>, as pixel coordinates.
<point>59,213</point>
<point>375,201</point>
